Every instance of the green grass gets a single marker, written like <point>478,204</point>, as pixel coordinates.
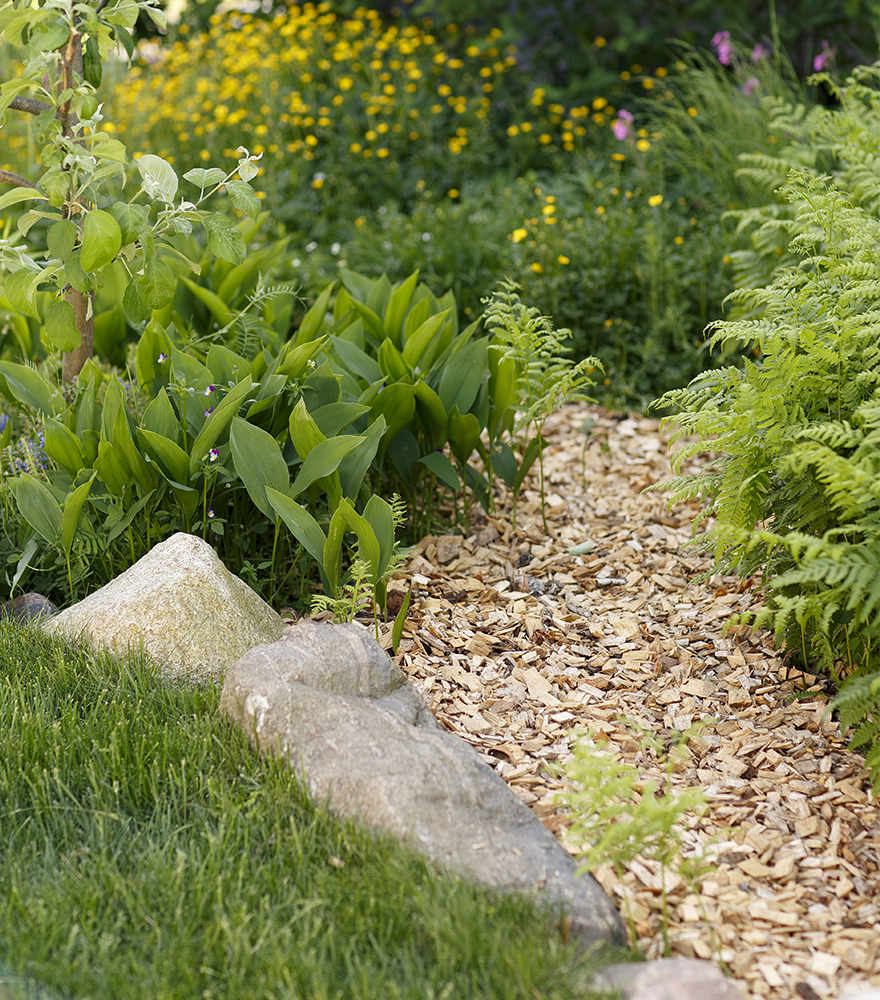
<point>148,852</point>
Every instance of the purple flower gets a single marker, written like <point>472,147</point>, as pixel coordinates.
<point>162,357</point>
<point>758,52</point>
<point>209,411</point>
<point>620,125</point>
<point>721,41</point>
<point>823,57</point>
<point>210,512</point>
<point>750,85</point>
<point>209,390</point>
<point>213,455</point>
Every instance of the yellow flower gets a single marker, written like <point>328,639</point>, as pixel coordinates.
<point>599,42</point>
<point>536,267</point>
<point>600,210</point>
<point>655,200</point>
<point>317,183</point>
<point>618,157</point>
<point>453,192</point>
<point>643,145</point>
<point>692,112</point>
<point>599,103</point>
<point>512,130</point>
<point>648,83</point>
<point>518,235</point>
<point>382,153</point>
<point>563,259</point>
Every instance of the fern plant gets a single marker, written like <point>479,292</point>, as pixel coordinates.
<point>795,490</point>
<point>545,378</point>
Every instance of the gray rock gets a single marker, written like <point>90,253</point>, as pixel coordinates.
<point>863,994</point>
<point>27,607</point>
<point>181,605</point>
<point>329,701</point>
<point>668,979</point>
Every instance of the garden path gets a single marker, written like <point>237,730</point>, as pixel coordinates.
<point>515,643</point>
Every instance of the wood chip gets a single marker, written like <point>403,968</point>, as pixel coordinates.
<point>517,645</point>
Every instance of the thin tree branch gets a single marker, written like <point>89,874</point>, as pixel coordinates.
<point>7,177</point>
<point>30,104</point>
<point>101,6</point>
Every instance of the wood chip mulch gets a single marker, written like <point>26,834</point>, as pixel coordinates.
<point>517,644</point>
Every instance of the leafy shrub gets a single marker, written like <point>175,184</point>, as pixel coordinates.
<point>795,491</point>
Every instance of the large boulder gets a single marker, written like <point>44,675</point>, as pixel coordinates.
<point>329,701</point>
<point>181,605</point>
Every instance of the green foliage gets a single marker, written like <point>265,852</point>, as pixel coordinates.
<point>530,368</point>
<point>148,851</point>
<point>794,491</point>
<point>620,817</point>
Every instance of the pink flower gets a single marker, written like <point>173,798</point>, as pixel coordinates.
<point>721,41</point>
<point>823,57</point>
<point>621,124</point>
<point>749,86</point>
<point>758,52</point>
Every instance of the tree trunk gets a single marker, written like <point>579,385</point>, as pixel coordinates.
<point>84,307</point>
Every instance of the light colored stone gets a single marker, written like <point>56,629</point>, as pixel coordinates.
<point>329,701</point>
<point>668,979</point>
<point>181,604</point>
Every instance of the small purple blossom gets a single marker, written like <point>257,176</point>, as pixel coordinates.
<point>162,357</point>
<point>210,512</point>
<point>724,47</point>
<point>213,455</point>
<point>823,57</point>
<point>4,420</point>
<point>209,411</point>
<point>759,52</point>
<point>209,390</point>
<point>621,124</point>
<point>749,86</point>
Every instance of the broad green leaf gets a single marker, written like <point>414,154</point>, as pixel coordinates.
<point>464,432</point>
<point>418,349</point>
<point>368,545</point>
<point>323,460</point>
<point>158,177</point>
<point>371,321</point>
<point>381,519</point>
<point>48,36</point>
<point>395,311</point>
<point>259,462</point>
<point>419,312</point>
<point>443,469</point>
<point>379,294</point>
<point>224,240</point>
<point>173,461</point>
<point>61,330</point>
<point>157,285</point>
<point>19,194</point>
<point>63,446</point>
<point>226,366</point>
<point>134,305</point>
<point>102,239</point>
<point>503,464</point>
<point>70,516</point>
<point>160,418</point>
<point>296,361</point>
<point>304,528</point>
<point>123,523</point>
<point>139,470</point>
<point>399,622</point>
<point>333,550</point>
<point>205,178</point>
<point>313,320</point>
<point>105,148</point>
<point>463,375</point>
<point>241,277</point>
<point>397,405</point>
<point>353,468</point>
<point>304,432</point>
<point>242,196</point>
<point>391,362</point>
<point>357,361</point>
<point>218,308</point>
<point>217,422</point>
<point>38,507</point>
<point>123,12</point>
<point>61,238</point>
<point>30,388</point>
<point>432,415</point>
<point>20,288</point>
<point>132,220</point>
<point>335,417</point>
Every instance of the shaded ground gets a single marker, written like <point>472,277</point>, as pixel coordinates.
<point>516,643</point>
